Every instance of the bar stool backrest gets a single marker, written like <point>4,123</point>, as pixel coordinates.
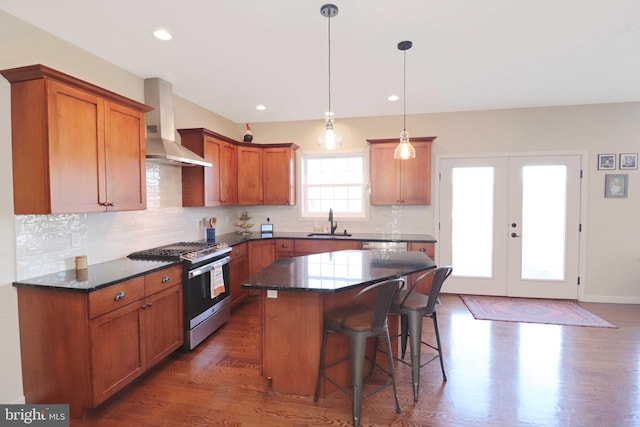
<point>379,295</point>
<point>439,274</point>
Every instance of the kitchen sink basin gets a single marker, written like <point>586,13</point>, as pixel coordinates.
<point>328,235</point>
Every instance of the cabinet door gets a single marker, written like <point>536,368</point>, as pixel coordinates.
<point>415,176</point>
<point>250,183</point>
<point>278,176</point>
<point>212,174</point>
<point>125,158</point>
<point>228,175</point>
<point>261,254</point>
<point>238,273</point>
<point>384,174</point>
<point>164,323</point>
<point>117,350</point>
<point>201,185</point>
<point>428,248</point>
<point>76,150</point>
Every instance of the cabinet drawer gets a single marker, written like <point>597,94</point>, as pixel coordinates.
<point>285,245</point>
<point>428,248</point>
<point>162,279</point>
<point>108,299</point>
<point>238,251</point>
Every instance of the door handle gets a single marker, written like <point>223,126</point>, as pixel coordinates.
<point>515,235</point>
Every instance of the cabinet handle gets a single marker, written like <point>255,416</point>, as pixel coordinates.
<point>237,251</point>
<point>147,305</point>
<point>110,204</point>
<point>284,245</point>
<point>165,279</point>
<point>423,249</point>
<point>119,296</point>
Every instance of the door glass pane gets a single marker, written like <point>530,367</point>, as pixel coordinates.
<point>472,221</point>
<point>544,191</point>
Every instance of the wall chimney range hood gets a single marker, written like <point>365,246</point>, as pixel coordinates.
<point>161,129</point>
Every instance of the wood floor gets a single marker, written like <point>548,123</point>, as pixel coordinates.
<point>499,374</point>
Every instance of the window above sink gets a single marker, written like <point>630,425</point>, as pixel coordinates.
<point>336,181</point>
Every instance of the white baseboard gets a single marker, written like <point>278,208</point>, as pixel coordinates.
<point>609,299</point>
<point>19,401</point>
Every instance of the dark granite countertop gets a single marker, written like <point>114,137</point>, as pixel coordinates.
<point>112,272</point>
<point>337,271</point>
<point>97,275</point>
<point>234,238</point>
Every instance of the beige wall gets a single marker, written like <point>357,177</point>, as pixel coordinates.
<point>612,250</point>
<point>611,228</point>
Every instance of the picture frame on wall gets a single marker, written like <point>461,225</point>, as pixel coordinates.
<point>615,185</point>
<point>628,161</point>
<point>606,161</point>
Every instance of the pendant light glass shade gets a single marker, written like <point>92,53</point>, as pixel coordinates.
<point>329,139</point>
<point>404,150</point>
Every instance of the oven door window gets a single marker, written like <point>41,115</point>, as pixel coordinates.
<point>198,292</point>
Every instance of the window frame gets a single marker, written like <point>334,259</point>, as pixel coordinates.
<point>302,211</point>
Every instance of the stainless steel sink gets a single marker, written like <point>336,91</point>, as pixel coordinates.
<point>328,235</point>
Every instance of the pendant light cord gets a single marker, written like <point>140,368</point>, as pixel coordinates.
<point>404,89</point>
<point>329,62</point>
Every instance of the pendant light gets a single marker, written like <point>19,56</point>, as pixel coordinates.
<point>329,139</point>
<point>404,150</point>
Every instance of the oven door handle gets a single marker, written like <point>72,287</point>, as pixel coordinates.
<point>208,267</point>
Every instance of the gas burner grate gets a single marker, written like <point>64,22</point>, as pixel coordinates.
<point>176,251</point>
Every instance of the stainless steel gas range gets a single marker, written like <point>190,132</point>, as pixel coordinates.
<point>206,285</point>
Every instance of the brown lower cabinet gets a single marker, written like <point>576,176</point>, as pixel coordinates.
<point>428,248</point>
<point>238,272</point>
<point>285,248</point>
<point>81,348</point>
<point>307,247</point>
<point>261,254</point>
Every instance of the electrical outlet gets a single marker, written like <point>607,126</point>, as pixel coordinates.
<point>271,293</point>
<point>75,239</point>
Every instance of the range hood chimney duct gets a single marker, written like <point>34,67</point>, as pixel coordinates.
<point>161,129</point>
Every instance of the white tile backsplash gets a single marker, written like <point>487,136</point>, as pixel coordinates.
<point>44,244</point>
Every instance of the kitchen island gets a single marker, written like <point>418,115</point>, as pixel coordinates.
<point>296,292</point>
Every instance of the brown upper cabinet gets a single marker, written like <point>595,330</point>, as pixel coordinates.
<point>214,186</point>
<point>76,147</point>
<point>279,174</point>
<point>250,181</point>
<point>242,173</point>
<point>400,182</point>
<point>266,174</point>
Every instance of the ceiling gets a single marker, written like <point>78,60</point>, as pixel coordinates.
<point>230,55</point>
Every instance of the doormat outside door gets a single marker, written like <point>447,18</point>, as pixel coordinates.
<point>530,310</point>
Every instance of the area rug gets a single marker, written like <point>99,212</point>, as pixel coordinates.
<point>529,310</point>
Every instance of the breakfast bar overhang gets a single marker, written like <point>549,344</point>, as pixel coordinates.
<point>295,294</point>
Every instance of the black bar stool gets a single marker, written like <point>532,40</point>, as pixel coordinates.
<point>412,306</point>
<point>365,317</point>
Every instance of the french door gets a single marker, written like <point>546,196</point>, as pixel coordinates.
<point>510,225</point>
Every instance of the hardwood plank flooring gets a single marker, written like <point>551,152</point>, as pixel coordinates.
<point>499,374</point>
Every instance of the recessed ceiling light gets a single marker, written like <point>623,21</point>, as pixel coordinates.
<point>393,98</point>
<point>162,35</point>
<point>260,107</point>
